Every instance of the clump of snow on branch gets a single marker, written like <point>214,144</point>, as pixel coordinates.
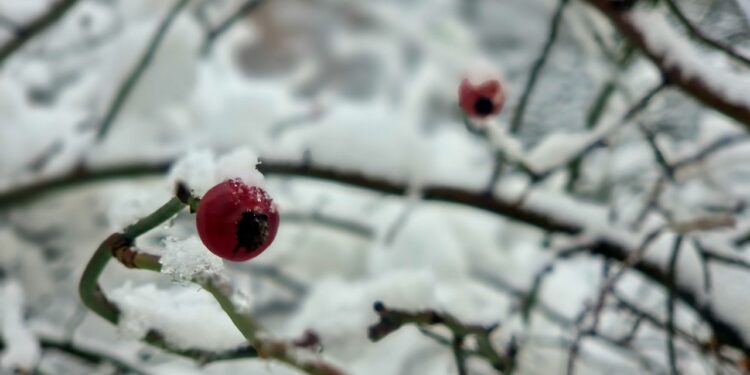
<point>187,259</point>
<point>22,350</point>
<point>187,317</point>
<point>202,169</point>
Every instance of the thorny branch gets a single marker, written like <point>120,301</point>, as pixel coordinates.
<point>696,32</point>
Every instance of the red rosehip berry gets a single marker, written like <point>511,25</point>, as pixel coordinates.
<point>236,221</point>
<point>481,100</point>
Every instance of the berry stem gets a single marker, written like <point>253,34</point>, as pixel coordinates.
<point>161,215</point>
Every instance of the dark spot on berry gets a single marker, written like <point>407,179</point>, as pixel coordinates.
<point>483,106</point>
<point>252,231</point>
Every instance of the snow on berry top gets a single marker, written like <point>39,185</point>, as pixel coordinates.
<point>242,192</point>
<point>202,169</point>
<point>186,259</point>
<point>480,72</point>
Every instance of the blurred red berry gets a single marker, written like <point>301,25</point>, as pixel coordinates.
<point>481,100</point>
<point>236,221</point>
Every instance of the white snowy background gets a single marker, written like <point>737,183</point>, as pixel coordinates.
<point>370,87</point>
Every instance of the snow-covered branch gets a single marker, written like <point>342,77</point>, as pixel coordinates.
<point>679,62</point>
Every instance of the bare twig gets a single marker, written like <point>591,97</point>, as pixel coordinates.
<point>536,69</point>
<point>595,310</point>
<point>661,159</point>
<point>536,285</point>
<point>594,144</point>
<point>215,33</point>
<point>713,147</point>
<point>702,37</point>
<point>670,304</point>
<point>391,320</point>
<point>25,33</point>
<point>628,263</point>
<point>123,93</point>
<point>711,255</point>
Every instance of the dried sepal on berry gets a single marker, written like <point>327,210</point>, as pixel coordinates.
<point>236,221</point>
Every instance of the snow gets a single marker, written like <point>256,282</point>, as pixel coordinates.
<point>350,136</point>
<point>409,250</point>
<point>201,169</point>
<point>187,317</point>
<point>480,71</point>
<point>128,205</point>
<point>556,148</point>
<point>188,259</point>
<point>22,11</point>
<point>22,350</point>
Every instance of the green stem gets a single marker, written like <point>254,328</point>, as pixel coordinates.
<point>88,288</point>
<point>244,323</point>
<point>161,215</point>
